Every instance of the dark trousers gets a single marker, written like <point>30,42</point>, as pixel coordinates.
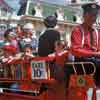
<point>68,70</point>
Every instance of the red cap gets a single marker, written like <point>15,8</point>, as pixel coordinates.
<point>10,48</point>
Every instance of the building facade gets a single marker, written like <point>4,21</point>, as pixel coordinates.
<point>5,12</point>
<point>35,12</point>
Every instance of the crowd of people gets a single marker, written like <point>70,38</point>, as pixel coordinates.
<point>85,44</point>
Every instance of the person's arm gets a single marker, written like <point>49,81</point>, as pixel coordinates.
<point>76,45</point>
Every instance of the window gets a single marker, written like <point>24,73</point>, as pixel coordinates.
<point>3,12</point>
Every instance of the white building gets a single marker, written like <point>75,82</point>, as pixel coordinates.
<point>5,12</point>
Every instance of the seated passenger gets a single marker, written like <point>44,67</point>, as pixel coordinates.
<point>10,38</point>
<point>29,37</point>
<point>60,57</point>
<point>9,52</point>
<point>60,53</point>
<point>26,56</point>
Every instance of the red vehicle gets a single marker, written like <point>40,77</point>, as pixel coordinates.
<point>35,82</point>
<point>82,86</point>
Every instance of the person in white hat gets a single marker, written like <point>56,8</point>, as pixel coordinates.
<point>29,36</point>
<point>29,29</point>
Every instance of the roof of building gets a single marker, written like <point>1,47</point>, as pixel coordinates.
<point>5,6</point>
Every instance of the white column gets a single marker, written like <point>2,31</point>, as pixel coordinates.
<point>0,11</point>
<point>27,7</point>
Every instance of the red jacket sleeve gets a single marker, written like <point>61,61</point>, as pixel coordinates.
<point>76,44</point>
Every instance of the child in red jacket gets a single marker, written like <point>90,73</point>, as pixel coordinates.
<point>60,56</point>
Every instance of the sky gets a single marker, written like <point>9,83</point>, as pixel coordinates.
<point>14,4</point>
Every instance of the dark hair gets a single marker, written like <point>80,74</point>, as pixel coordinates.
<point>91,7</point>
<point>27,46</point>
<point>58,43</point>
<point>7,33</point>
<point>50,21</point>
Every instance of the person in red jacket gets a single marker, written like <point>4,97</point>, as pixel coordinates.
<point>8,53</point>
<point>85,42</point>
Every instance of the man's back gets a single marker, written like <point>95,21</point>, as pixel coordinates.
<point>46,42</point>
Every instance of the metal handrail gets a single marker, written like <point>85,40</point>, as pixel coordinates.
<point>83,67</point>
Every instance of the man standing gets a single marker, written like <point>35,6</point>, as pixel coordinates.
<point>49,37</point>
<point>85,39</point>
<point>47,46</point>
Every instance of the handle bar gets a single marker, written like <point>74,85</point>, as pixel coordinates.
<point>83,66</point>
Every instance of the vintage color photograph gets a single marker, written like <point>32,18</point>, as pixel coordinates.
<point>49,49</point>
